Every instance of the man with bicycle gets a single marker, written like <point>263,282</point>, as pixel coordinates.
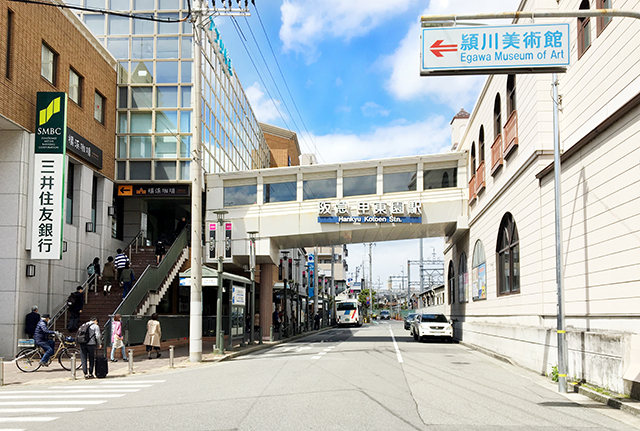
<point>41,338</point>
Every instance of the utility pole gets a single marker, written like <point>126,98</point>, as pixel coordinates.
<point>333,286</point>
<point>371,280</point>
<point>421,265</point>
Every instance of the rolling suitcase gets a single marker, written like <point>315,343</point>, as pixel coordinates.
<point>102,367</point>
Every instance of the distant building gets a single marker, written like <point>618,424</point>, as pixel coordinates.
<point>283,146</point>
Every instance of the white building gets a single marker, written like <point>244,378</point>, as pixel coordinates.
<point>501,285</point>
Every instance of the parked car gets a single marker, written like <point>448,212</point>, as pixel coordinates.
<point>385,315</point>
<point>408,319</point>
<point>431,325</point>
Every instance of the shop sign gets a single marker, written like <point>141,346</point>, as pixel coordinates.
<point>84,149</point>
<point>238,296</point>
<point>221,49</point>
<point>370,212</point>
<point>48,184</point>
<point>153,190</point>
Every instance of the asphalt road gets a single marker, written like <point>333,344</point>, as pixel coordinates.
<point>370,378</point>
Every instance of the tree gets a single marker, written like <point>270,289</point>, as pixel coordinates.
<point>363,297</point>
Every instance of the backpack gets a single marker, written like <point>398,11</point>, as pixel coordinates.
<point>71,300</point>
<point>91,269</point>
<point>82,337</point>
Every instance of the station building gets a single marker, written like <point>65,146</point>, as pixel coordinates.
<point>501,279</point>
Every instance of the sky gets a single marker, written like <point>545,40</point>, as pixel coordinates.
<point>344,75</point>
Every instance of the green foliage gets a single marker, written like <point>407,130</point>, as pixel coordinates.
<point>363,297</point>
<point>554,373</point>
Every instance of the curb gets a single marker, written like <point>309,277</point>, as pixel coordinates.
<point>608,400</point>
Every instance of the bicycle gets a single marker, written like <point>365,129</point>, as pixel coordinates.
<point>28,359</point>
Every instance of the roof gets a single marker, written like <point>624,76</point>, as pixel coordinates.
<point>461,114</point>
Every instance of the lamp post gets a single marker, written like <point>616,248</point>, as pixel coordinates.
<point>220,254</point>
<point>285,276</point>
<point>297,284</point>
<point>308,309</point>
<point>252,264</point>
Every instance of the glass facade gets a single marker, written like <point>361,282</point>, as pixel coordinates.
<point>280,192</point>
<point>156,97</point>
<point>440,178</point>
<point>319,189</point>
<point>362,185</point>
<point>240,195</point>
<point>399,182</point>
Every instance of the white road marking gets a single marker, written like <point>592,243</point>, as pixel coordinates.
<point>395,345</point>
<point>12,429</point>
<point>316,357</point>
<point>52,403</point>
<point>70,391</point>
<point>322,353</point>
<point>102,387</point>
<point>28,419</point>
<point>130,382</point>
<point>42,410</point>
<point>84,396</point>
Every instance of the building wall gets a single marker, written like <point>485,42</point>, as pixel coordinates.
<point>599,127</point>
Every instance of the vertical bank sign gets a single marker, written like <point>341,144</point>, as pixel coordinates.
<point>48,184</point>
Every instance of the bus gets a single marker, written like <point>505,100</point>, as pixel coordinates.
<point>349,312</point>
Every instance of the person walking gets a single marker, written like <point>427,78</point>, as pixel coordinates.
<point>120,261</point>
<point>127,277</point>
<point>160,251</point>
<point>41,338</point>
<point>94,274</point>
<point>31,321</point>
<point>88,348</point>
<point>109,275</point>
<point>75,309</point>
<point>117,340</point>
<point>153,336</point>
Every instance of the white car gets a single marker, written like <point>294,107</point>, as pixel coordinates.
<point>431,325</point>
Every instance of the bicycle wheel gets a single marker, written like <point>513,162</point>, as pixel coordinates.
<point>65,358</point>
<point>28,360</point>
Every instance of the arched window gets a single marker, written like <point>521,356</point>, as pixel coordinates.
<point>478,273</point>
<point>481,144</point>
<point>603,21</point>
<point>508,257</point>
<point>511,95</point>
<point>451,279</point>
<point>584,31</point>
<point>473,158</point>
<point>463,279</point>
<point>445,180</point>
<point>497,118</point>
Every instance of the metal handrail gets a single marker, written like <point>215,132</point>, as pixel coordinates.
<point>152,277</point>
<point>63,310</point>
<point>136,239</point>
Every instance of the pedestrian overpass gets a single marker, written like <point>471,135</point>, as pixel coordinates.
<point>343,203</point>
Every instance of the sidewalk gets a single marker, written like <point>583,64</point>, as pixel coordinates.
<point>13,377</point>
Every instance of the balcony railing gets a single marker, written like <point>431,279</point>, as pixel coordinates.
<point>511,134</point>
<point>480,178</point>
<point>496,155</point>
<point>472,189</point>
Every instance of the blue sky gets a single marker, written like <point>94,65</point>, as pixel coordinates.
<point>352,68</point>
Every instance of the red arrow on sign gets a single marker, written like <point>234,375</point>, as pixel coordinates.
<point>437,48</point>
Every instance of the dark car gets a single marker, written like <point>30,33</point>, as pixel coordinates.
<point>408,319</point>
<point>385,315</point>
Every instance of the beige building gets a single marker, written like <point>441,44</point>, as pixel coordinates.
<point>501,285</point>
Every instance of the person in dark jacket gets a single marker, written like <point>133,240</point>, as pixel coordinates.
<point>127,277</point>
<point>75,309</point>
<point>160,251</point>
<point>41,338</point>
<point>97,275</point>
<point>31,321</point>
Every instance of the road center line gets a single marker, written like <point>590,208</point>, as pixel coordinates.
<point>395,345</point>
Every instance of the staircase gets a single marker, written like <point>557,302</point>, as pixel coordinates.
<point>154,298</point>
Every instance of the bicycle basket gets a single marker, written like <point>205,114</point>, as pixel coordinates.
<point>69,340</point>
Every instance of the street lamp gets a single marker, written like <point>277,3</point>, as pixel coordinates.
<point>252,264</point>
<point>285,271</point>
<point>297,284</point>
<point>220,254</point>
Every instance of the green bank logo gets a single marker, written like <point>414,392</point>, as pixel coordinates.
<point>49,111</point>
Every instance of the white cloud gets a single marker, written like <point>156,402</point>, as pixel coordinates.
<point>394,140</point>
<point>338,82</point>
<point>405,82</point>
<point>306,23</point>
<point>372,109</point>
<point>263,107</point>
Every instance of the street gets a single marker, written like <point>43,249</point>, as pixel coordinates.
<point>371,378</point>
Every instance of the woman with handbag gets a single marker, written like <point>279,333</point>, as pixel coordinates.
<point>117,338</point>
<point>152,338</point>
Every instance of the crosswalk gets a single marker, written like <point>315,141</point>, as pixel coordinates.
<point>19,408</point>
<point>293,351</point>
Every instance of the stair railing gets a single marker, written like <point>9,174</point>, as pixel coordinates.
<point>63,311</point>
<point>136,241</point>
<point>152,277</point>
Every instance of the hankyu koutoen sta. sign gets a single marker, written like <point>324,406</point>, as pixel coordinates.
<point>532,48</point>
<point>48,184</point>
<point>370,212</point>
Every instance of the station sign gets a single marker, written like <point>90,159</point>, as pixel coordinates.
<point>481,50</point>
<point>370,212</point>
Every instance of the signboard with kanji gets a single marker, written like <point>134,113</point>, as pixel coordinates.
<point>48,184</point>
<point>532,48</point>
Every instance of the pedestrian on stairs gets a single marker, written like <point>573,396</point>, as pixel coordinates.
<point>152,338</point>
<point>127,277</point>
<point>121,259</point>
<point>109,276</point>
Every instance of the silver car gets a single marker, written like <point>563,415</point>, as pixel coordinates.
<point>431,325</point>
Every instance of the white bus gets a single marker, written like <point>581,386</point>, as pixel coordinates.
<point>349,312</point>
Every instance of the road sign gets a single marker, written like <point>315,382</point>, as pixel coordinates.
<point>533,48</point>
<point>125,190</point>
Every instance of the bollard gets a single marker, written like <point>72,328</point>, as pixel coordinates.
<point>171,352</point>
<point>260,334</point>
<point>73,366</point>
<point>1,371</point>
<point>271,333</point>
<point>130,361</point>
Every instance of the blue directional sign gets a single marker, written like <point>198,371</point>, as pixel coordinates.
<point>533,48</point>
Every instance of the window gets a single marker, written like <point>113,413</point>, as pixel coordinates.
<point>319,189</point>
<point>481,144</point>
<point>478,273</point>
<point>361,185</point>
<point>584,32</point>
<point>94,202</point>
<point>280,192</point>
<point>451,277</point>
<point>7,70</point>
<point>75,87</point>
<point>511,94</point>
<point>399,182</point>
<point>463,279</point>
<point>440,178</point>
<point>48,66</point>
<point>508,257</point>
<point>497,118</point>
<point>603,21</point>
<point>473,158</point>
<point>98,109</point>
<point>69,201</point>
<point>240,195</point>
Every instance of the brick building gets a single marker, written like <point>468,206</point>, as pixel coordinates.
<point>283,146</point>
